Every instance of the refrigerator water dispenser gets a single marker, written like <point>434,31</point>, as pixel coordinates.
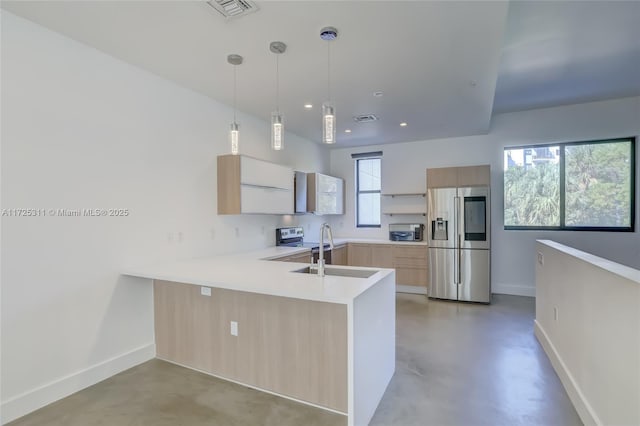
<point>439,229</point>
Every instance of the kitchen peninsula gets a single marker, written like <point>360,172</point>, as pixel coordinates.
<point>326,341</point>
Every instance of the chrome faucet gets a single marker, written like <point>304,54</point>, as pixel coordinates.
<point>321,253</point>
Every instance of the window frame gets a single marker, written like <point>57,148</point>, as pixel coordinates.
<point>562,183</point>
<point>358,192</point>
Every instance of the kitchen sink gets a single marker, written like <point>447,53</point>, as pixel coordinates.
<point>338,272</point>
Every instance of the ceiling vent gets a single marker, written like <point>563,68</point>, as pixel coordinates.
<point>366,118</point>
<point>233,8</point>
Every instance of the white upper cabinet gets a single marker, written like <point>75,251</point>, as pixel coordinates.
<point>325,194</point>
<point>262,173</point>
<point>252,186</point>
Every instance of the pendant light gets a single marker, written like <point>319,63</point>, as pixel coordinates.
<point>328,110</point>
<point>277,125</point>
<point>234,60</point>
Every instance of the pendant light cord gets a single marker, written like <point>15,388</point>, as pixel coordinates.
<point>234,93</point>
<point>278,83</point>
<point>329,70</point>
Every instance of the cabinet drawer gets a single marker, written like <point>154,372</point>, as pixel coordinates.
<point>265,200</point>
<point>409,262</point>
<point>411,276</point>
<point>417,252</point>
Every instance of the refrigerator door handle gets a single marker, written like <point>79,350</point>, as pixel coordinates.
<point>456,264</point>
<point>459,260</point>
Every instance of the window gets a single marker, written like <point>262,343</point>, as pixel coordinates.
<point>571,186</point>
<point>368,192</point>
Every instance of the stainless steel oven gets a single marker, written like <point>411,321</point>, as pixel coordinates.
<point>293,236</point>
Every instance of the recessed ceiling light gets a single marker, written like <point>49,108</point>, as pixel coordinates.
<point>377,94</point>
<point>347,131</point>
<point>403,124</point>
<point>308,106</point>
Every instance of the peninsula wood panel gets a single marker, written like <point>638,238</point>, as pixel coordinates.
<point>289,346</point>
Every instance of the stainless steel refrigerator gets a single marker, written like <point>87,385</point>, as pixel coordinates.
<point>459,228</point>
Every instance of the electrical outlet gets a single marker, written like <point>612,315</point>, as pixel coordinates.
<point>205,291</point>
<point>540,258</point>
<point>234,328</point>
<point>237,232</point>
<point>555,313</point>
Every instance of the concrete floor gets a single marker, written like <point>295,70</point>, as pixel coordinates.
<point>457,364</point>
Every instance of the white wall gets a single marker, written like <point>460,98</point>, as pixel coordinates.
<point>84,130</point>
<point>404,170</point>
<point>594,341</point>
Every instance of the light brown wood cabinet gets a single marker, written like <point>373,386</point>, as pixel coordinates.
<point>451,177</point>
<point>359,254</point>
<point>410,262</point>
<point>411,265</point>
<point>339,255</point>
<point>382,255</point>
<point>249,185</point>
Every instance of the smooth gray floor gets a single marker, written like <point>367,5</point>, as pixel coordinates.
<point>457,364</point>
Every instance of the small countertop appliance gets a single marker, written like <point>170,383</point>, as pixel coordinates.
<point>406,231</point>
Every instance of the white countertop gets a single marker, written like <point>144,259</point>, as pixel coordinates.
<point>253,272</point>
<point>608,265</point>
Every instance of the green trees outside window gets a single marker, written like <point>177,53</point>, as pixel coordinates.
<point>577,186</point>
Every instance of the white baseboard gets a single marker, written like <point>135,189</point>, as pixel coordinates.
<point>513,289</point>
<point>414,289</point>
<point>34,399</point>
<point>582,406</point>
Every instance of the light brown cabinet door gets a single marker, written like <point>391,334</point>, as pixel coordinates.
<point>339,256</point>
<point>451,177</point>
<point>412,276</point>
<point>382,255</point>
<point>300,258</point>
<point>442,177</point>
<point>474,176</point>
<point>411,263</point>
<point>359,255</point>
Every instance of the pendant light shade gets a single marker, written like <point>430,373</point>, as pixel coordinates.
<point>277,131</point>
<point>328,124</point>
<point>328,110</point>
<point>277,125</point>
<point>233,138</point>
<point>234,134</point>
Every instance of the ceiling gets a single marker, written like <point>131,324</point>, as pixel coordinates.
<point>436,63</point>
<point>564,52</point>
